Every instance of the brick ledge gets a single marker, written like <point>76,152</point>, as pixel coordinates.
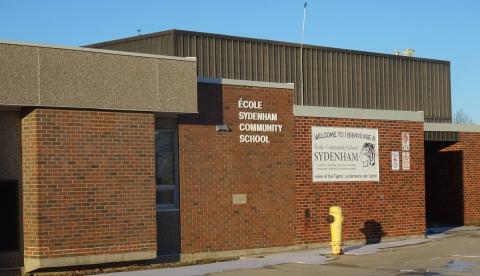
<point>34,264</point>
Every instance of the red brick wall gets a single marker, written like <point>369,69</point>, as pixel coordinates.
<point>456,191</point>
<point>471,177</point>
<point>88,183</point>
<point>215,165</point>
<point>396,202</point>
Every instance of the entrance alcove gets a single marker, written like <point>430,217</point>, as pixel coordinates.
<point>11,240</point>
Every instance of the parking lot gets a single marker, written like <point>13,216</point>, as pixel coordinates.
<point>445,251</point>
<point>456,252</point>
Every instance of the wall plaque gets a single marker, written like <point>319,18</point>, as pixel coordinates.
<point>344,154</point>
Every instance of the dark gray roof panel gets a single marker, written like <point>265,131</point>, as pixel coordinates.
<point>331,77</point>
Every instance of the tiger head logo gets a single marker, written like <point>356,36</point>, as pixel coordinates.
<point>367,155</point>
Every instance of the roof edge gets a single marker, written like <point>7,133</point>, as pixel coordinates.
<point>247,83</point>
<point>130,38</point>
<point>276,42</point>
<point>435,127</point>
<point>94,50</point>
<point>16,107</point>
<point>357,113</point>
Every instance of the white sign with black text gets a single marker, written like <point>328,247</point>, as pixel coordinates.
<point>405,160</point>
<point>344,154</point>
<point>405,141</point>
<point>395,160</point>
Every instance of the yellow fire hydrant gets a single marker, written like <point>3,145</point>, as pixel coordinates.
<point>335,218</point>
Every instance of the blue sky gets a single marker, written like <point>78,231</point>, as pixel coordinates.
<point>439,29</point>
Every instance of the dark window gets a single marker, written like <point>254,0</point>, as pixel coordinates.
<point>9,216</point>
<point>165,156</point>
<point>165,197</point>
<point>166,159</point>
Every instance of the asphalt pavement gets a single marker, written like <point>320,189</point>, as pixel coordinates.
<point>445,251</point>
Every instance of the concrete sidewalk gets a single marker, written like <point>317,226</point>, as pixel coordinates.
<point>445,251</point>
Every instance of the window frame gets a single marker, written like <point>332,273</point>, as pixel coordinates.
<point>175,187</point>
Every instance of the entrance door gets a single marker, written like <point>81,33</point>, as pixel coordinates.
<point>10,254</point>
<point>9,232</point>
<point>168,208</point>
<point>443,183</point>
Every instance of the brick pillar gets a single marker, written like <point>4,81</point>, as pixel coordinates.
<point>89,187</point>
<point>471,177</point>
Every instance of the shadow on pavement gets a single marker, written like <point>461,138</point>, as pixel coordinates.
<point>440,228</point>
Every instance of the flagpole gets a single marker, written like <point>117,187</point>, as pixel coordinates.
<point>301,52</point>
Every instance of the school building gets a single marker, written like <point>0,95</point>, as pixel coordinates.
<point>195,146</point>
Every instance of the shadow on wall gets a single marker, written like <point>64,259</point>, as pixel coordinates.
<point>373,231</point>
<point>444,184</point>
<point>210,106</point>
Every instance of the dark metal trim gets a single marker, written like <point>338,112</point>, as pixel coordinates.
<point>441,136</point>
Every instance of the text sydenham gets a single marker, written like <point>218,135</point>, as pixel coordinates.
<point>256,127</point>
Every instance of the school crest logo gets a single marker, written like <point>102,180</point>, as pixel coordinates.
<point>367,155</point>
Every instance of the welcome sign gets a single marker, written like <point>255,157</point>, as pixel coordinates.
<point>344,154</point>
